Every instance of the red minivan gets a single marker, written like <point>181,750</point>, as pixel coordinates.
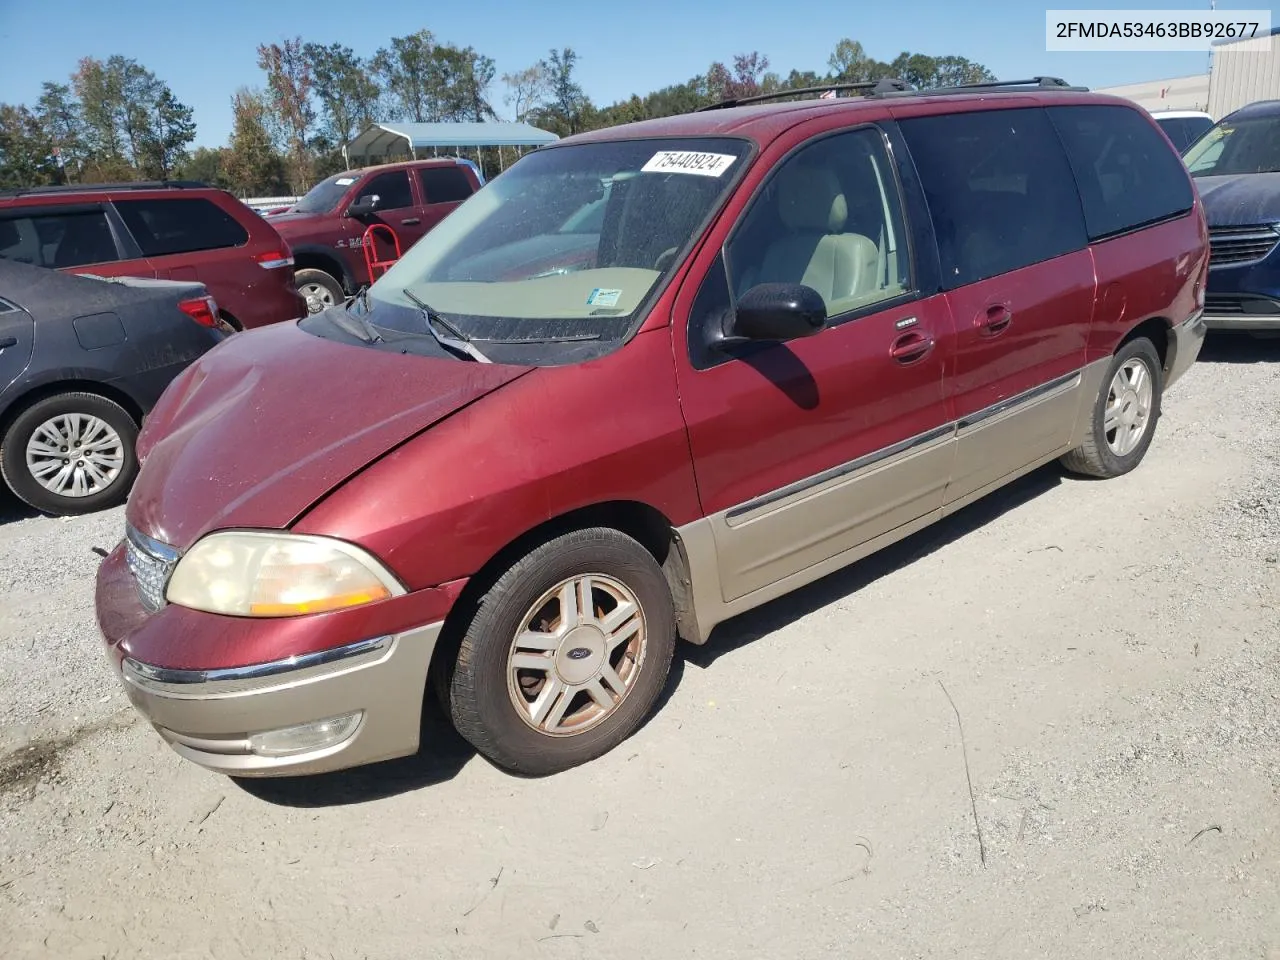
<point>780,336</point>
<point>171,230</point>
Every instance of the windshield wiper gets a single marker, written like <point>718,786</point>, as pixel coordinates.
<point>458,341</point>
<point>370,332</point>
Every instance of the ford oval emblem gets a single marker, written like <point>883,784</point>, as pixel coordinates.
<point>579,653</point>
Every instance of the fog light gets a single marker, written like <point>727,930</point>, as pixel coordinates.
<point>305,737</point>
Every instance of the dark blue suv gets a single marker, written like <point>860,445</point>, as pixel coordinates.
<point>1236,166</point>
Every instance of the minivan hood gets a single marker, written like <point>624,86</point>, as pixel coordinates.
<point>272,419</point>
<point>1240,200</point>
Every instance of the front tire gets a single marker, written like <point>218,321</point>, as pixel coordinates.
<point>566,653</point>
<point>320,290</point>
<point>1124,414</point>
<point>70,454</point>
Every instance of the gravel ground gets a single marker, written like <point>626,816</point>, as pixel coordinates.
<point>1049,727</point>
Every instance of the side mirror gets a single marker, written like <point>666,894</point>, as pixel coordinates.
<point>364,206</point>
<point>775,311</point>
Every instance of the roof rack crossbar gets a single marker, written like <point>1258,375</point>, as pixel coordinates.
<point>1047,84</point>
<point>893,87</point>
<point>870,87</point>
<point>95,187</point>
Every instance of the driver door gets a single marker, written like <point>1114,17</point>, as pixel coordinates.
<point>812,448</point>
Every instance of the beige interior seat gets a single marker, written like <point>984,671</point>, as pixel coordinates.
<point>815,250</point>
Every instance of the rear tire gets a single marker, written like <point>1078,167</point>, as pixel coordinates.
<point>566,653</point>
<point>1125,414</point>
<point>70,454</point>
<point>320,290</point>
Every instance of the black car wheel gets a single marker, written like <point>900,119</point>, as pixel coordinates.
<point>566,654</point>
<point>71,453</point>
<point>319,289</point>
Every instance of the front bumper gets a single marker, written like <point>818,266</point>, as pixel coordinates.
<point>224,691</point>
<point>230,720</point>
<point>1243,321</point>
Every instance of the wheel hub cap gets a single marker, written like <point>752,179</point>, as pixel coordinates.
<point>577,655</point>
<point>75,455</point>
<point>1128,411</point>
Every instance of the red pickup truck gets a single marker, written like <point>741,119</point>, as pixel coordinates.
<point>326,228</point>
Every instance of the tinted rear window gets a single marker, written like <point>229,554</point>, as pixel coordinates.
<point>58,240</point>
<point>444,184</point>
<point>1127,173</point>
<point>180,225</point>
<point>999,190</point>
<point>1184,131</point>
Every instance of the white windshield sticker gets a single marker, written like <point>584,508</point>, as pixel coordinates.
<point>687,161</point>
<point>345,181</point>
<point>600,297</point>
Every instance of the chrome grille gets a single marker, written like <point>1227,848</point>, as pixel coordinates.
<point>1229,245</point>
<point>151,563</point>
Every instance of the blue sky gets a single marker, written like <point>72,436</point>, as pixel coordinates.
<point>623,48</point>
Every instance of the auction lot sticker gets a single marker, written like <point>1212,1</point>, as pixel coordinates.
<point>688,161</point>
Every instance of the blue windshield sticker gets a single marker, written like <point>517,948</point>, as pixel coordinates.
<point>600,297</point>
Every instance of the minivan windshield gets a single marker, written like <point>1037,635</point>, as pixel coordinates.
<point>324,196</point>
<point>566,244</point>
<point>1236,147</point>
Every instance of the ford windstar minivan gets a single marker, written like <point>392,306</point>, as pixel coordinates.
<point>647,379</point>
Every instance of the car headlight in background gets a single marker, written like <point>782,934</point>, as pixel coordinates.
<point>266,574</point>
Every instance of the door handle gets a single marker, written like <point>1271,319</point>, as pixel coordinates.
<point>8,342</point>
<point>911,347</point>
<point>995,319</point>
<point>411,221</point>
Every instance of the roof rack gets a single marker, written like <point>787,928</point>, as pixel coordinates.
<point>996,86</point>
<point>95,187</point>
<point>872,87</point>
<point>893,87</point>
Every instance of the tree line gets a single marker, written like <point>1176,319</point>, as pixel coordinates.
<point>115,120</point>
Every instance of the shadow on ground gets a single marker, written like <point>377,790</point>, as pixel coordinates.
<point>743,629</point>
<point>444,753</point>
<point>12,509</point>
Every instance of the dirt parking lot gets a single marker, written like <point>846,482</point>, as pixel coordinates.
<point>1047,728</point>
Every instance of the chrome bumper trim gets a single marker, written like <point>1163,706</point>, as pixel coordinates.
<point>145,672</point>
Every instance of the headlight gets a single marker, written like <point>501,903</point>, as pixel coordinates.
<point>261,574</point>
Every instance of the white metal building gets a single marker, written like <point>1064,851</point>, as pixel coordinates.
<point>1178,93</point>
<point>1244,71</point>
<point>1241,72</point>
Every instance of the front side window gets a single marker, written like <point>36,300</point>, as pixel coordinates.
<point>567,243</point>
<point>1237,147</point>
<point>999,189</point>
<point>58,240</point>
<point>171,226</point>
<point>829,218</point>
<point>1127,174</point>
<point>392,190</point>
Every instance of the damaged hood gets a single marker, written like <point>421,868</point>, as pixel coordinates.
<point>1242,200</point>
<point>268,422</point>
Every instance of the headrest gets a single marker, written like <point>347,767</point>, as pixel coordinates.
<point>9,235</point>
<point>811,199</point>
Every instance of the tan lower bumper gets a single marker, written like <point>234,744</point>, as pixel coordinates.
<point>217,719</point>
<point>1188,338</point>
